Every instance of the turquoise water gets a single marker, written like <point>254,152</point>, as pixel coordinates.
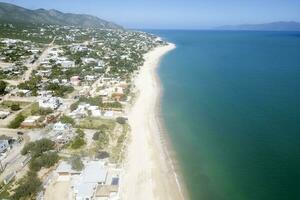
<point>231,104</point>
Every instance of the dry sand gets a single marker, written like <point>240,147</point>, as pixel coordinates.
<point>149,172</point>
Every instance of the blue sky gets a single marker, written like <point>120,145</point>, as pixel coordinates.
<point>182,14</point>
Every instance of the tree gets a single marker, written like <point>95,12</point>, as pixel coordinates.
<point>76,163</point>
<point>3,85</point>
<point>38,147</point>
<point>28,187</point>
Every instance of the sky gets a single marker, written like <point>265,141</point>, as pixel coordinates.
<point>175,14</point>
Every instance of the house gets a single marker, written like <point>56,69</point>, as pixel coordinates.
<point>31,122</point>
<point>94,174</point>
<point>4,146</point>
<point>64,169</point>
<point>49,102</point>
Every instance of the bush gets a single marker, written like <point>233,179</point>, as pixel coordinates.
<point>77,143</point>
<point>3,85</point>
<point>67,120</point>
<point>96,136</point>
<point>17,121</point>
<point>121,120</point>
<point>15,107</point>
<point>102,155</point>
<point>79,140</point>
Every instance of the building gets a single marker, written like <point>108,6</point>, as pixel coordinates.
<point>31,122</point>
<point>94,174</point>
<point>49,102</point>
<point>4,146</point>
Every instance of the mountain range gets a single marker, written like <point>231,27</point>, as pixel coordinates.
<point>10,13</point>
<point>274,26</point>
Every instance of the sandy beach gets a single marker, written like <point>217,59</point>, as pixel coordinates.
<point>149,172</point>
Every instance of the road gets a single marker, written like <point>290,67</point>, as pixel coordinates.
<point>35,65</point>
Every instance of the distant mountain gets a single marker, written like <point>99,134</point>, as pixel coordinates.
<point>16,14</point>
<point>275,26</point>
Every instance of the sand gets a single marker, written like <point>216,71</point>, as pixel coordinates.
<point>148,172</point>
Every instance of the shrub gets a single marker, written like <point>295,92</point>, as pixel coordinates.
<point>15,107</point>
<point>96,136</point>
<point>67,120</point>
<point>3,85</point>
<point>102,155</point>
<point>121,120</point>
<point>77,143</point>
<point>17,121</point>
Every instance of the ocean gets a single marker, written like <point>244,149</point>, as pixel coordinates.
<point>231,105</point>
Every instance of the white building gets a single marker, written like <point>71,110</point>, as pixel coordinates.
<point>93,174</point>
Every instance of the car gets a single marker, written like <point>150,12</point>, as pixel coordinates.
<point>20,133</point>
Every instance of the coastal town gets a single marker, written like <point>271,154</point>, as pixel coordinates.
<point>65,93</point>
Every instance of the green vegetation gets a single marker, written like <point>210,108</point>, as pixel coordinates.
<point>9,104</point>
<point>46,160</point>
<point>15,123</point>
<point>96,123</point>
<point>101,138</point>
<point>78,141</point>
<point>28,187</point>
<point>59,90</point>
<point>31,84</point>
<point>76,163</point>
<point>38,147</point>
<point>3,85</point>
<point>36,110</point>
<point>121,120</point>
<point>67,120</point>
<point>15,107</point>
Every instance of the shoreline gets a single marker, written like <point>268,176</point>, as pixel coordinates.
<point>150,172</point>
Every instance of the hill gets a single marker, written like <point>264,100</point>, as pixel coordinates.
<point>15,14</point>
<point>274,26</point>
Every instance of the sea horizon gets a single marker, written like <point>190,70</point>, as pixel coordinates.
<point>212,180</point>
